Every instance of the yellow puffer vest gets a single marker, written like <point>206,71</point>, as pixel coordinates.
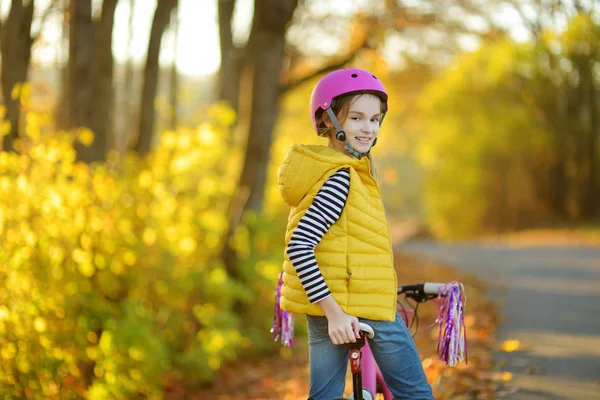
<point>355,256</point>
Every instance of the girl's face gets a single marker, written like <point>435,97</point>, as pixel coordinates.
<point>361,123</point>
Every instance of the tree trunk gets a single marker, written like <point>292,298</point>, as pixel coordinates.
<point>82,75</point>
<point>266,47</point>
<point>559,181</point>
<point>104,78</point>
<point>61,112</point>
<point>174,78</point>
<point>125,120</point>
<point>15,47</point>
<point>267,52</point>
<point>591,201</point>
<point>231,57</point>
<point>150,85</point>
<point>264,56</point>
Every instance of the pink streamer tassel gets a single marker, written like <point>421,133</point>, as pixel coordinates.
<point>452,336</point>
<point>283,322</point>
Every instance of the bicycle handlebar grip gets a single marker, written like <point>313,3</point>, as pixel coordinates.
<point>367,330</point>
<point>425,288</point>
<point>432,288</point>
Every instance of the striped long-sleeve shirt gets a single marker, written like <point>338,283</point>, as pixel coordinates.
<point>325,210</point>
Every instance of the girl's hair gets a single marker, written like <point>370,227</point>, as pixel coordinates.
<point>340,107</point>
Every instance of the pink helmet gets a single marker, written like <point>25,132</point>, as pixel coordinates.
<point>344,81</point>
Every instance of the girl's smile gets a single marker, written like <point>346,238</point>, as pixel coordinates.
<point>361,125</point>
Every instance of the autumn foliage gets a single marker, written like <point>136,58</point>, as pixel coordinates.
<point>111,279</point>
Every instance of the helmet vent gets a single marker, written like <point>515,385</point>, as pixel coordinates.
<point>354,75</point>
<point>374,76</point>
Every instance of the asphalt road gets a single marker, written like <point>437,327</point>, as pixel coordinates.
<point>550,300</point>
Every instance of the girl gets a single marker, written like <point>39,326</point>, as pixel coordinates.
<point>338,267</point>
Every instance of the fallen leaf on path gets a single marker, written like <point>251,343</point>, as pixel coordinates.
<point>509,346</point>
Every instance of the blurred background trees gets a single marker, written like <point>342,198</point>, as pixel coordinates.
<point>140,225</point>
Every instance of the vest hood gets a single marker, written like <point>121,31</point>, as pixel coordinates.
<point>305,165</point>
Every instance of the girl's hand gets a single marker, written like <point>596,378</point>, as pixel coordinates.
<point>343,328</point>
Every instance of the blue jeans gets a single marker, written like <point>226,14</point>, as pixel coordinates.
<point>394,351</point>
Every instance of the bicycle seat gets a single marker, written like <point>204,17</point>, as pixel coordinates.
<point>367,330</point>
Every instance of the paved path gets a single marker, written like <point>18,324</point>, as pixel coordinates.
<point>550,299</point>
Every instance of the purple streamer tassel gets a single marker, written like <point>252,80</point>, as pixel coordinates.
<point>283,321</point>
<point>452,336</point>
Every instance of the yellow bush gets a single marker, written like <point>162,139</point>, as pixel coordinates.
<point>111,280</point>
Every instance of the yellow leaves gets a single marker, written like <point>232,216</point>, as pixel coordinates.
<point>33,129</point>
<point>214,363</point>
<point>390,175</point>
<point>39,324</point>
<point>145,179</point>
<point>222,114</point>
<point>74,370</point>
<point>84,262</point>
<point>581,36</point>
<point>57,353</point>
<point>85,136</point>
<point>16,91</point>
<point>135,374</point>
<point>142,211</point>
<point>124,226</point>
<point>23,184</point>
<point>92,352</point>
<point>117,267</point>
<point>187,245</point>
<point>60,313</point>
<point>45,342</point>
<point>268,269</point>
<point>213,341</point>
<point>106,342</point>
<point>206,136</point>
<point>4,313</point>
<point>100,261</point>
<point>85,241</point>
<point>5,184</point>
<point>136,353</point>
<point>168,140</point>
<point>506,376</point>
<point>56,254</point>
<point>510,346</point>
<point>161,287</point>
<point>86,269</point>
<point>129,258</point>
<point>136,226</point>
<point>92,337</point>
<point>218,276</point>
<point>5,128</point>
<point>8,351</point>
<point>81,256</point>
<point>180,164</point>
<point>204,313</point>
<point>184,140</point>
<point>149,236</point>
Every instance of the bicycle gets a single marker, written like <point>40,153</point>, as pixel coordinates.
<point>451,336</point>
<point>361,359</point>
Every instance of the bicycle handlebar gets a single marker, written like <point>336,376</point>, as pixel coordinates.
<point>426,288</point>
<point>421,292</point>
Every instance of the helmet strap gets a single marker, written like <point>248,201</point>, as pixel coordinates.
<point>341,136</point>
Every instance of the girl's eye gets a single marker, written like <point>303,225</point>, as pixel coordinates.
<point>355,118</point>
